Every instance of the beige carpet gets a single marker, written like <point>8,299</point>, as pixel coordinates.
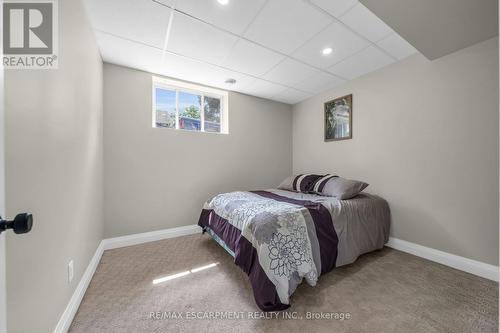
<point>385,291</point>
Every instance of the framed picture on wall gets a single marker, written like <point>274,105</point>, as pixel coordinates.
<point>338,119</point>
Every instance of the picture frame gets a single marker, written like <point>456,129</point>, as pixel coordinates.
<point>338,119</point>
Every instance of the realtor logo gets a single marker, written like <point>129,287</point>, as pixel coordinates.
<point>30,34</point>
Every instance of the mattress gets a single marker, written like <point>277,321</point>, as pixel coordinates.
<point>280,238</point>
<point>362,223</point>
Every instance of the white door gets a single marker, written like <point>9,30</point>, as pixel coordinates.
<point>3,289</point>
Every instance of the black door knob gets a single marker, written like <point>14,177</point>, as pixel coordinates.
<point>22,223</point>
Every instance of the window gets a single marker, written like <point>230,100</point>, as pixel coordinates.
<point>186,106</point>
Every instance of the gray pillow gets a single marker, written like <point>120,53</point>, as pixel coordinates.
<point>287,184</point>
<point>342,188</point>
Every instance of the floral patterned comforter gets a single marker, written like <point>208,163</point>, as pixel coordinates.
<point>277,241</point>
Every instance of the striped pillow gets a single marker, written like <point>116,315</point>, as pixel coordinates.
<point>320,183</point>
<point>305,183</point>
<point>299,183</point>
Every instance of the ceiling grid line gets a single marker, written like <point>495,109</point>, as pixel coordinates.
<point>301,45</point>
<point>348,9</point>
<point>245,30</point>
<point>305,43</point>
<point>338,20</point>
<point>167,33</point>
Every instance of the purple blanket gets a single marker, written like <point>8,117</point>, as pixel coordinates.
<point>277,241</point>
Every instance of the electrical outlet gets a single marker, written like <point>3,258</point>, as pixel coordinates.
<point>70,271</point>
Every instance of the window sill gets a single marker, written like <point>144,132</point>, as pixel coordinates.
<point>189,131</point>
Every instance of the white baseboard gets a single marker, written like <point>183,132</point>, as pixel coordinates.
<point>478,268</point>
<point>74,303</point>
<point>145,237</point>
<point>113,243</point>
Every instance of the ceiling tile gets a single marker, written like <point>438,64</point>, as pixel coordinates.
<point>250,58</point>
<point>291,96</point>
<point>141,20</point>
<point>343,42</point>
<point>126,53</point>
<point>364,22</point>
<point>216,77</point>
<point>235,16</point>
<point>184,68</point>
<point>263,89</point>
<point>198,40</point>
<point>199,72</point>
<point>289,72</point>
<point>335,7</point>
<point>396,46</point>
<point>361,63</point>
<point>319,83</point>
<point>284,25</point>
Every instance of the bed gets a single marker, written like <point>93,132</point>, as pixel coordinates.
<point>280,238</point>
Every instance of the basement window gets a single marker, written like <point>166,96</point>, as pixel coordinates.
<point>186,106</point>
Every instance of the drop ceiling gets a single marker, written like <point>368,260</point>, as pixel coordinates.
<point>272,48</point>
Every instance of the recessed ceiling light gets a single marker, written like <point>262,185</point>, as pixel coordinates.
<point>223,2</point>
<point>327,50</point>
<point>230,81</point>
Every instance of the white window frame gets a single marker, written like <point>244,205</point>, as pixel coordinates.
<point>179,86</point>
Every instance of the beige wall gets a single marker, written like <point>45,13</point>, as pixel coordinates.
<point>425,136</point>
<point>54,170</point>
<point>159,178</point>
